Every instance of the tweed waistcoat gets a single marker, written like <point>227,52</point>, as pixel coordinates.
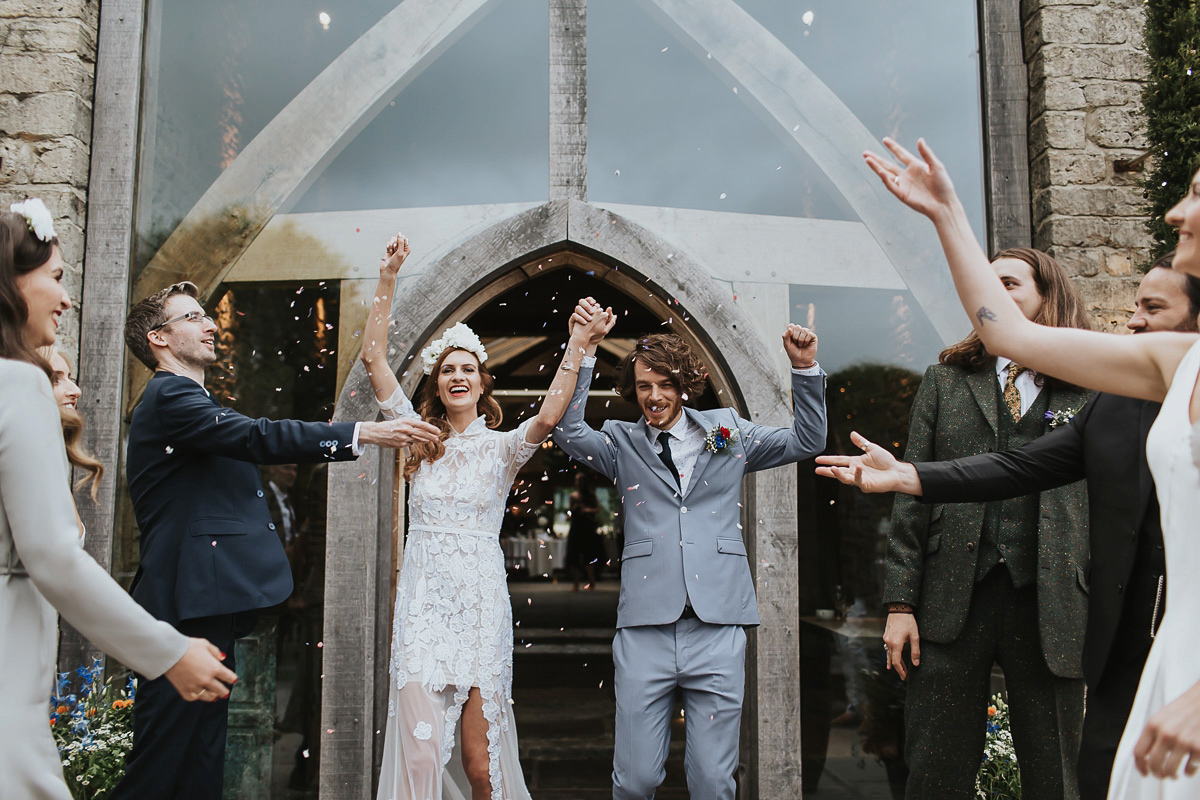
<point>1010,526</point>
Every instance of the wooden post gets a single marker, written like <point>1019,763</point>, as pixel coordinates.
<point>106,276</point>
<point>1006,117</point>
<point>568,99</point>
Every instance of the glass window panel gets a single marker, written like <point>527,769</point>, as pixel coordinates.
<point>903,72</point>
<point>220,71</point>
<point>470,129</point>
<point>663,130</point>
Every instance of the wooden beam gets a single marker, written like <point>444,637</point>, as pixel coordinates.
<point>568,99</point>
<point>106,275</point>
<point>1006,121</point>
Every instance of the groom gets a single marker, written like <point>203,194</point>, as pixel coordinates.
<point>686,591</point>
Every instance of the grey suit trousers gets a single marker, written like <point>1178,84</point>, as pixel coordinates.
<point>708,665</point>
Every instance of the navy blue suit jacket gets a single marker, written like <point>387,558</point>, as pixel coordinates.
<point>208,545</point>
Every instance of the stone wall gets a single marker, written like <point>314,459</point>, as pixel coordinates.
<point>1086,65</point>
<point>47,70</point>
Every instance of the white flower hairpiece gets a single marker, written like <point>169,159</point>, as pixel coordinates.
<point>459,336</point>
<point>37,217</point>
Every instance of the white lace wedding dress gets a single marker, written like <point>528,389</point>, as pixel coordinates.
<point>453,622</point>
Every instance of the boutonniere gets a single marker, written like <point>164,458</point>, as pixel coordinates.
<point>717,439</point>
<point>1059,418</point>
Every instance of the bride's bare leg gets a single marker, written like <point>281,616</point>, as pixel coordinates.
<point>475,747</point>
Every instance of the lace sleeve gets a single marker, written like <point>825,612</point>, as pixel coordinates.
<point>517,449</point>
<point>398,406</point>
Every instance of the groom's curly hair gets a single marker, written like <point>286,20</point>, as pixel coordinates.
<point>666,354</point>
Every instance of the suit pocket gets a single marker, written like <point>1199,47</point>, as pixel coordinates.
<point>217,526</point>
<point>933,543</point>
<point>637,549</point>
<point>1081,576</point>
<point>733,547</point>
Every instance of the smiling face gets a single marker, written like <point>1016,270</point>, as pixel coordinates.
<point>1017,277</point>
<point>45,298</point>
<point>657,397</point>
<point>1162,304</point>
<point>1185,215</point>
<point>191,344</point>
<point>66,391</point>
<point>458,382</point>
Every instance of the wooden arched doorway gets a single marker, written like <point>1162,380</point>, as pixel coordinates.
<point>364,510</point>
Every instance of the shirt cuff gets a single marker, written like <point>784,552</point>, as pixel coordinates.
<point>588,361</point>
<point>815,369</point>
<point>355,447</point>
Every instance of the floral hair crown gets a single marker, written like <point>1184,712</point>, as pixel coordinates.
<point>459,336</point>
<point>37,217</point>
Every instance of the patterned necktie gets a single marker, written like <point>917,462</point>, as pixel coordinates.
<point>1012,395</point>
<point>664,439</point>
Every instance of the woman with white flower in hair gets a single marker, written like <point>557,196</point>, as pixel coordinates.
<point>451,655</point>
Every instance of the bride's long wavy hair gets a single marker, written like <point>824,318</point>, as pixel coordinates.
<point>431,409</point>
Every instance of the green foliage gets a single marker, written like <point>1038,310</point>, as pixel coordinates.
<point>93,729</point>
<point>998,778</point>
<point>1171,99</point>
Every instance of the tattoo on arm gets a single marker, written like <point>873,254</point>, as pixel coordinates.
<point>985,314</point>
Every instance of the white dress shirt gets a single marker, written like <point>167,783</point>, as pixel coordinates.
<point>1027,383</point>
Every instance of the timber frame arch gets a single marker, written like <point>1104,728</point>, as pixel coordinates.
<point>362,502</point>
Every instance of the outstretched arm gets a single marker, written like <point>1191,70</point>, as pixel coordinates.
<point>1136,366</point>
<point>375,336</point>
<point>588,326</point>
<point>768,447</point>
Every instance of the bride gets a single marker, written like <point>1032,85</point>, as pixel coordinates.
<point>1163,732</point>
<point>452,638</point>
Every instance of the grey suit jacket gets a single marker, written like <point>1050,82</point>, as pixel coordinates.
<point>689,546</point>
<point>43,568</point>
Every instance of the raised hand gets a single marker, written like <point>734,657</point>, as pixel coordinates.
<point>800,343</point>
<point>596,321</point>
<point>200,675</point>
<point>922,183</point>
<point>396,251</point>
<point>876,470</point>
<point>397,433</point>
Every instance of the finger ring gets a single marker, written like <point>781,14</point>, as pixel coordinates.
<point>864,447</point>
<point>896,179</point>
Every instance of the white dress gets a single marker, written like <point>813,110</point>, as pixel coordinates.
<point>453,622</point>
<point>1172,666</point>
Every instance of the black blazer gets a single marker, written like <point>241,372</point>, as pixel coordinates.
<point>208,545</point>
<point>1105,443</point>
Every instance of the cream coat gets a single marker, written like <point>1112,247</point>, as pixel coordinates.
<point>43,568</point>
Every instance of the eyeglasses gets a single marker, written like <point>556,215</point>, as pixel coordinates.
<point>191,316</point>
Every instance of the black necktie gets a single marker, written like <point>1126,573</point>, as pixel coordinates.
<point>664,439</point>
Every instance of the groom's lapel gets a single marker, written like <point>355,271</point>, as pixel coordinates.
<point>641,444</point>
<point>705,454</point>
<point>983,387</point>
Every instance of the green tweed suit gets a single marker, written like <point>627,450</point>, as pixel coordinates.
<point>968,622</point>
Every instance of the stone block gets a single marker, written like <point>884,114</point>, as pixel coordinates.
<point>50,72</point>
<point>1077,261</point>
<point>46,116</point>
<point>1077,24</point>
<point>1109,295</point>
<point>63,161</point>
<point>52,36</point>
<point>1083,62</point>
<point>52,9</point>
<point>1084,201</point>
<point>1117,232</point>
<point>1062,167</point>
<point>1063,94</point>
<point>1112,93</point>
<point>1065,130</point>
<point>1117,127</point>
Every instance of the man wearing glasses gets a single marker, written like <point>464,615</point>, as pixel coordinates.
<point>210,557</point>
